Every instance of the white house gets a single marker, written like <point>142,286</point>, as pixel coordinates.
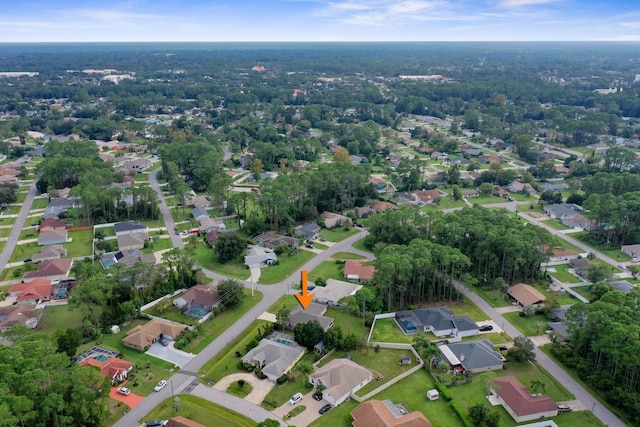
<point>341,377</point>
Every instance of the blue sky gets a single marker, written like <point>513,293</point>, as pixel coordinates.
<point>319,20</point>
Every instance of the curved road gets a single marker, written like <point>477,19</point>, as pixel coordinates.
<point>12,240</point>
<point>186,379</point>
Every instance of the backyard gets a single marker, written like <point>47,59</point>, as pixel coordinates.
<point>562,274</point>
<point>199,410</point>
<point>529,326</point>
<point>327,270</point>
<point>59,318</point>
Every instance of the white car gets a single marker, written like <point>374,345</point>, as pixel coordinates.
<point>160,385</point>
<point>124,390</point>
<point>296,398</point>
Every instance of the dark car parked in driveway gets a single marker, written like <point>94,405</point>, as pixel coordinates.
<point>317,396</point>
<point>485,328</point>
<point>324,409</point>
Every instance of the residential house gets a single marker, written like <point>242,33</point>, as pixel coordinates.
<point>115,369</point>
<point>559,254</point>
<point>355,270</point>
<point>274,359</point>
<point>180,421</point>
<point>128,257</point>
<point>202,202</point>
<point>49,252</point>
<point>52,237</point>
<point>341,377</point>
<point>209,224</point>
<point>520,187</point>
<point>33,292</point>
<point>199,214</point>
<point>558,211</point>
<point>376,413</point>
<point>57,207</point>
<point>382,186</point>
<point>52,269</point>
<point>200,298</point>
<point>9,172</point>
<point>632,250</point>
<point>8,179</point>
<point>313,312</point>
<point>554,186</point>
<point>138,165</point>
<point>523,295</point>
<point>471,356</point>
<point>21,314</point>
<point>490,160</point>
<point>131,241</point>
<point>308,231</point>
<point>473,152</point>
<point>273,240</point>
<point>427,196</point>
<point>438,320</point>
<point>437,155</point>
<point>579,221</point>
<point>470,193</point>
<point>562,170</point>
<point>380,206</point>
<point>520,403</point>
<point>580,266</point>
<point>130,227</point>
<point>143,336</point>
<point>334,291</point>
<point>257,257</point>
<point>332,220</point>
<point>51,224</point>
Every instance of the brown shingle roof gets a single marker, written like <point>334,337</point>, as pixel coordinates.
<point>526,294</point>
<point>354,267</point>
<point>144,335</point>
<point>375,413</point>
<point>51,267</point>
<point>519,399</point>
<point>180,421</point>
<point>202,295</point>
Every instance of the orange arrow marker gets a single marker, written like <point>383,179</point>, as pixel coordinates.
<point>304,299</point>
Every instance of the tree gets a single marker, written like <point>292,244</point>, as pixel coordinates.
<point>308,334</point>
<point>341,155</point>
<point>231,293</point>
<point>537,386</point>
<point>478,413</point>
<point>522,350</point>
<point>68,341</point>
<point>229,246</point>
<point>528,310</point>
<point>598,271</point>
<point>282,317</point>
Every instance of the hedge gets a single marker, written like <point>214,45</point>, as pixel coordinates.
<point>444,391</point>
<point>458,410</point>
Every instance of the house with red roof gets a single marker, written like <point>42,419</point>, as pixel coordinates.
<point>519,402</point>
<point>51,224</point>
<point>114,368</point>
<point>427,196</point>
<point>354,269</point>
<point>52,269</point>
<point>32,292</point>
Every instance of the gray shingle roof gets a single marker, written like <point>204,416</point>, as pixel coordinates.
<point>476,354</point>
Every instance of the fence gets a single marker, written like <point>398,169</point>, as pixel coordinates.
<point>402,376</point>
<point>373,324</point>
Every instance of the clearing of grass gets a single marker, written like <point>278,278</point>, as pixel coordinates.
<point>386,330</point>
<point>209,260</point>
<point>199,410</point>
<point>584,291</point>
<point>59,318</point>
<point>40,204</point>
<point>158,244</point>
<point>562,274</point>
<point>613,252</point>
<point>556,224</point>
<point>494,297</point>
<point>285,267</point>
<point>529,326</point>
<point>327,270</point>
<point>338,234</point>
<point>346,256</point>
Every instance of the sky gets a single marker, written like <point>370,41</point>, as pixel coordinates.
<point>318,20</point>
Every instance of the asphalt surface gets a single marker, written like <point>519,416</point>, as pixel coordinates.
<point>21,219</point>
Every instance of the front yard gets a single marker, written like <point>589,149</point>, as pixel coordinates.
<point>208,259</point>
<point>562,274</point>
<point>285,267</point>
<point>529,326</point>
<point>327,270</point>
<point>199,410</point>
<point>338,234</point>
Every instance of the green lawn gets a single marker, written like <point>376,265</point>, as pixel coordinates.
<point>10,210</point>
<point>361,246</point>
<point>492,296</point>
<point>346,255</point>
<point>285,267</point>
<point>81,243</point>
<point>199,410</point>
<point>468,308</point>
<point>226,362</point>
<point>158,244</point>
<point>613,251</point>
<point>39,203</point>
<point>529,326</point>
<point>208,259</point>
<point>4,232</point>
<point>25,251</point>
<point>338,234</point>
<point>59,318</point>
<point>26,233</point>
<point>327,270</point>
<point>486,200</point>
<point>107,231</point>
<point>386,330</point>
<point>153,223</point>
<point>16,272</point>
<point>556,224</point>
<point>563,275</point>
<point>349,323</point>
<point>584,291</point>
<point>21,198</point>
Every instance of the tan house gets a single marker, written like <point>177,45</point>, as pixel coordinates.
<point>341,377</point>
<point>313,312</point>
<point>51,224</point>
<point>523,294</point>
<point>52,269</point>
<point>376,413</point>
<point>143,336</point>
<point>274,359</point>
<point>22,314</point>
<point>355,270</point>
<point>519,403</point>
<point>131,241</point>
<point>332,220</point>
<point>50,252</point>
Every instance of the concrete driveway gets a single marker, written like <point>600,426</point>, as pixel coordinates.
<point>170,354</point>
<point>259,388</point>
<point>307,416</point>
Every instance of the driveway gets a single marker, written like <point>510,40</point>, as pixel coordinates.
<point>132,400</point>
<point>307,416</point>
<point>259,388</point>
<point>170,354</point>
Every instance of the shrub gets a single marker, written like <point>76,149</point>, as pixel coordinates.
<point>444,391</point>
<point>461,414</point>
<point>260,375</point>
<point>281,380</point>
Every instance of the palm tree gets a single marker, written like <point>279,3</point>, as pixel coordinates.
<point>538,386</point>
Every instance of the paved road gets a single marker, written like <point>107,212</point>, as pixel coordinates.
<point>12,241</point>
<point>589,402</point>
<point>271,293</point>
